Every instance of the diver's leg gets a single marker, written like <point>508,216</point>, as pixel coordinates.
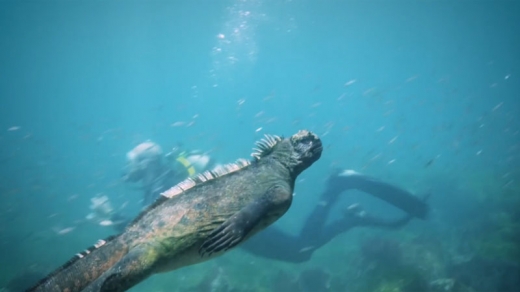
<point>345,180</point>
<point>273,243</point>
<point>392,194</point>
<point>336,184</point>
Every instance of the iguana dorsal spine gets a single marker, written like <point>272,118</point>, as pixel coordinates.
<point>263,147</point>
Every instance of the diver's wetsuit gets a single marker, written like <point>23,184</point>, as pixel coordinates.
<point>153,187</point>
<point>157,178</point>
<point>275,244</point>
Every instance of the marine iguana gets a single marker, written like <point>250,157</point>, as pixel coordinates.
<point>198,219</point>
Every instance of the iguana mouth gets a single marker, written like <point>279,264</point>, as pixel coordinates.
<point>317,148</point>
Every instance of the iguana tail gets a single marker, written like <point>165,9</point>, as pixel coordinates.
<point>84,267</point>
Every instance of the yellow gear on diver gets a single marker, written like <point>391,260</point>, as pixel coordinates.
<point>187,165</point>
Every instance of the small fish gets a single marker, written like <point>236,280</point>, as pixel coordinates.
<point>497,106</point>
<point>307,248</point>
<point>375,157</point>
<point>14,128</point>
<point>124,205</point>
<point>350,82</point>
<point>178,124</point>
<point>387,113</point>
<point>368,91</point>
<point>73,197</point>
<point>431,161</point>
<point>65,230</point>
<point>412,78</point>
<point>353,207</point>
<point>508,183</point>
<point>323,203</point>
<point>106,223</point>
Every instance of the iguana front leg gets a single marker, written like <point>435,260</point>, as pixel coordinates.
<point>236,228</point>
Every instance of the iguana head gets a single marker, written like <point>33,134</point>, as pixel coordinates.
<point>307,149</point>
<point>297,153</point>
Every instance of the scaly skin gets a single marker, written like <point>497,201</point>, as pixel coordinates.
<point>170,235</point>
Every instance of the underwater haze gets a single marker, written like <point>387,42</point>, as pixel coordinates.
<point>423,95</point>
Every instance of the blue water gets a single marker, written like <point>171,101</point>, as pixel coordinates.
<point>389,86</point>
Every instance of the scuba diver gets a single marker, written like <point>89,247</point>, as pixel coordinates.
<point>275,244</point>
<point>157,173</point>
